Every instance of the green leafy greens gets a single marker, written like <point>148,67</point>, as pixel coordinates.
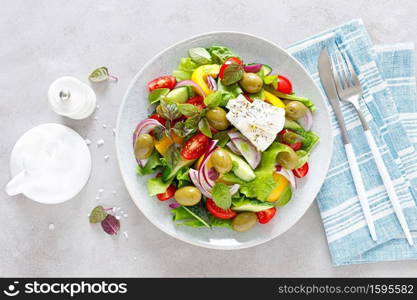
<point>221,195</point>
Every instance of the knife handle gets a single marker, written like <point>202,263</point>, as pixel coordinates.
<point>360,189</point>
<point>386,179</point>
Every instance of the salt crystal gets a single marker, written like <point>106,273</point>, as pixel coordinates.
<point>51,226</point>
<point>104,126</point>
<point>98,106</point>
<point>88,141</point>
<point>100,142</point>
<point>125,234</point>
<point>122,212</point>
<point>114,131</point>
<point>96,118</point>
<point>106,157</point>
<point>97,198</point>
<point>101,191</point>
<point>118,217</point>
<point>125,215</point>
<point>134,258</point>
<point>114,192</point>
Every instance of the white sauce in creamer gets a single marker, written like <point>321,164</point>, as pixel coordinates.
<point>50,164</point>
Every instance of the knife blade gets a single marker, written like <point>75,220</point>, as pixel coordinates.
<point>327,81</point>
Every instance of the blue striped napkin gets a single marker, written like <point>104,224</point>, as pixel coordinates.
<point>389,103</point>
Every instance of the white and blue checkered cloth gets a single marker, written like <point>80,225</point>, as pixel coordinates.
<point>389,103</point>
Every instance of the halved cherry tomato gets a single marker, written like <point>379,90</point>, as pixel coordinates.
<point>284,85</point>
<point>265,216</point>
<point>232,60</point>
<point>197,101</point>
<point>219,212</point>
<point>195,147</point>
<point>167,82</point>
<point>158,118</point>
<point>301,171</point>
<point>169,193</point>
<point>281,137</point>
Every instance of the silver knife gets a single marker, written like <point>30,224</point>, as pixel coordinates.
<point>327,81</point>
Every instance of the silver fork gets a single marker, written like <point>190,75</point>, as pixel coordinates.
<point>349,90</point>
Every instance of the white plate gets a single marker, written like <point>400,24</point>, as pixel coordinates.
<point>134,109</point>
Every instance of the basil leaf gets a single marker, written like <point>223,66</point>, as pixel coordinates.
<point>204,127</point>
<point>159,132</point>
<point>99,74</point>
<point>188,110</point>
<point>97,215</point>
<point>156,95</point>
<point>221,195</point>
<point>200,55</point>
<point>222,138</point>
<point>172,155</point>
<point>232,74</point>
<point>220,54</point>
<point>213,100</point>
<point>168,111</point>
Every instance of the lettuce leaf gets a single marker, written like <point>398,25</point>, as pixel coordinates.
<point>185,69</point>
<point>157,186</point>
<point>228,92</point>
<point>220,54</point>
<point>183,178</point>
<point>194,216</point>
<point>216,222</point>
<point>154,161</point>
<point>261,187</point>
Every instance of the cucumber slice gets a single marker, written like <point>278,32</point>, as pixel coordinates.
<point>178,95</point>
<point>264,71</point>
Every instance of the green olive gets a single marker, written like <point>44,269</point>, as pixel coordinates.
<point>244,221</point>
<point>217,118</point>
<point>144,146</point>
<point>221,161</point>
<point>251,82</point>
<point>188,196</point>
<point>288,159</point>
<point>295,110</point>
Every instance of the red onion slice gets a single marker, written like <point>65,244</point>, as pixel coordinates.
<point>233,148</point>
<point>194,178</point>
<point>193,84</point>
<point>143,127</point>
<point>252,68</point>
<point>213,174</point>
<point>306,121</point>
<point>212,83</point>
<point>289,176</point>
<point>247,150</point>
<point>174,205</point>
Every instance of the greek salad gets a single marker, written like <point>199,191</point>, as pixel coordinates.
<point>227,140</point>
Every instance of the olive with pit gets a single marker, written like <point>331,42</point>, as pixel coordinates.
<point>251,82</point>
<point>217,118</point>
<point>144,146</point>
<point>288,159</point>
<point>221,160</point>
<point>295,110</point>
<point>244,221</point>
<point>188,196</point>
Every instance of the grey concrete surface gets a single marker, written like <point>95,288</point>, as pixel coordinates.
<point>42,40</point>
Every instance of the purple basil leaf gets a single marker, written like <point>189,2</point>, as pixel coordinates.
<point>110,225</point>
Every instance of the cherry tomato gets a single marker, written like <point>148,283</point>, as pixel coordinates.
<point>197,101</point>
<point>182,118</point>
<point>232,60</point>
<point>195,146</point>
<point>219,212</point>
<point>284,85</point>
<point>167,82</point>
<point>266,215</point>
<point>281,137</point>
<point>158,118</point>
<point>301,171</point>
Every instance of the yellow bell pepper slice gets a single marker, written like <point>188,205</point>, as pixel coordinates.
<point>163,144</point>
<point>274,100</point>
<point>282,183</point>
<point>200,75</point>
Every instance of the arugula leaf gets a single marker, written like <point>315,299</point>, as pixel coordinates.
<point>216,222</point>
<point>204,127</point>
<point>220,54</point>
<point>221,195</point>
<point>195,215</point>
<point>153,162</point>
<point>157,186</point>
<point>156,95</point>
<point>185,69</point>
<point>188,110</point>
<point>199,212</point>
<point>200,56</point>
<point>192,223</point>
<point>222,138</point>
<point>213,100</point>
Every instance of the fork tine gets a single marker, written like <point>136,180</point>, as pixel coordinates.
<point>337,80</point>
<point>352,72</point>
<point>343,70</point>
